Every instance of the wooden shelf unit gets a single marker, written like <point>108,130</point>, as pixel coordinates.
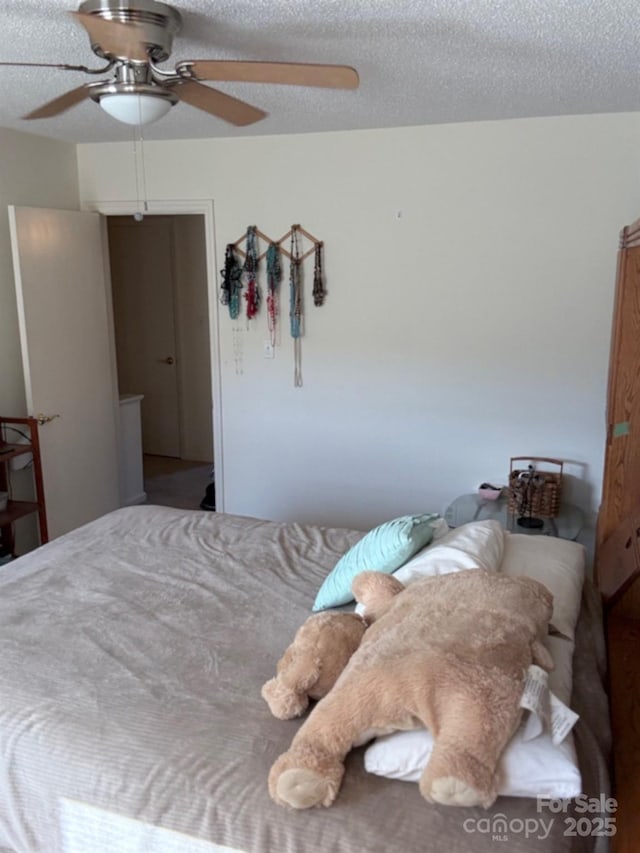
<point>19,509</point>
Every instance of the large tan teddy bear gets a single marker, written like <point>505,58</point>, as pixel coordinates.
<point>312,663</point>
<point>448,653</point>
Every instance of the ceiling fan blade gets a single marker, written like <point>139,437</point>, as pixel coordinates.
<point>218,104</point>
<point>114,37</point>
<point>288,73</point>
<point>62,66</point>
<point>61,104</point>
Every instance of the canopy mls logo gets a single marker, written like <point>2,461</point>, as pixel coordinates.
<point>589,817</point>
<point>501,828</point>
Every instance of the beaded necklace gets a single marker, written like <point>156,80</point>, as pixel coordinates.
<point>295,309</point>
<point>319,290</point>
<point>250,268</point>
<point>295,289</point>
<point>231,282</point>
<point>274,275</point>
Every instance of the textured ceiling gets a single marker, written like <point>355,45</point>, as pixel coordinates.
<point>420,62</point>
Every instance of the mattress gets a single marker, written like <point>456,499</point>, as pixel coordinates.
<point>132,653</point>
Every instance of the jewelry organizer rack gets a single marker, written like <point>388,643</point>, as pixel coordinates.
<point>265,237</point>
<point>242,281</point>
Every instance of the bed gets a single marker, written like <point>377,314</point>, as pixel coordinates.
<point>132,652</point>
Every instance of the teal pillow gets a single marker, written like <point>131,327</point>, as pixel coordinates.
<point>383,549</point>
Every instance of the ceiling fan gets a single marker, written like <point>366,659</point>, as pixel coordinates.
<point>133,36</point>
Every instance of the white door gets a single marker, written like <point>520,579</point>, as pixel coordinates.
<point>67,359</point>
<point>142,276</point>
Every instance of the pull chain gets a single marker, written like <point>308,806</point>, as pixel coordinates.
<point>140,171</point>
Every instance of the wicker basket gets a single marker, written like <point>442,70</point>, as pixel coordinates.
<point>532,492</point>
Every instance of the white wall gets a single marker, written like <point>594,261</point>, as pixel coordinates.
<point>470,271</point>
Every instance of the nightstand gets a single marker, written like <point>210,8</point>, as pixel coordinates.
<point>566,525</point>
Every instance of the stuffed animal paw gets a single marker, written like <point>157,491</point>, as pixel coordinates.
<point>312,663</point>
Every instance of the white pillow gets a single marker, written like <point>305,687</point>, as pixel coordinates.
<point>558,564</point>
<point>561,678</point>
<point>534,768</point>
<point>440,529</point>
<point>476,545</point>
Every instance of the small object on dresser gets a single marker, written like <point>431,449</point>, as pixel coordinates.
<point>488,492</point>
<point>4,498</point>
<point>534,494</point>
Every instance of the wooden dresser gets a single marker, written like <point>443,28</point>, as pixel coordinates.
<point>618,567</point>
<point>618,539</point>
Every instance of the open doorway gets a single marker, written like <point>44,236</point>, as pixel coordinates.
<point>163,349</point>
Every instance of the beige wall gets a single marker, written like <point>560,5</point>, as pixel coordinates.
<point>470,271</point>
<point>192,325</point>
<point>34,172</point>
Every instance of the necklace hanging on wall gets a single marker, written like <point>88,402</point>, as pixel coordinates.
<point>319,290</point>
<point>274,275</point>
<point>250,269</point>
<point>231,282</point>
<point>295,305</point>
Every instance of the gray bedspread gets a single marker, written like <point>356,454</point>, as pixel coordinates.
<point>132,652</point>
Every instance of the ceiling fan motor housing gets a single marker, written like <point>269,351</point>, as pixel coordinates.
<point>160,22</point>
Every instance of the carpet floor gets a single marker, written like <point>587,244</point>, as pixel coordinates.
<point>175,482</point>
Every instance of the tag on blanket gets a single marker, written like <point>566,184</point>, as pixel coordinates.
<point>535,698</point>
<point>546,711</point>
<point>563,719</point>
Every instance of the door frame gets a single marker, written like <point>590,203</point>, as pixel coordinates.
<point>177,207</point>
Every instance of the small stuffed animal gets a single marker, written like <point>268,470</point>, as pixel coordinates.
<point>448,653</point>
<point>312,663</point>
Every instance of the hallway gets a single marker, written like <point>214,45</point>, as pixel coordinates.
<point>175,482</point>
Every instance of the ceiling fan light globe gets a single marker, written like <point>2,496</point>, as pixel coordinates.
<point>136,109</point>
